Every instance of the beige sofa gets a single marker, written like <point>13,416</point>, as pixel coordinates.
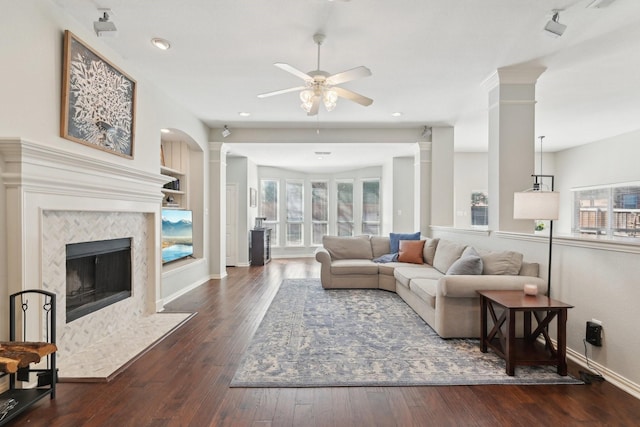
<point>435,289</point>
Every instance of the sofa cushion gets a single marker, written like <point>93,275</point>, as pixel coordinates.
<point>507,262</point>
<point>469,263</point>
<point>429,250</point>
<point>380,246</point>
<point>447,253</point>
<point>338,247</point>
<point>530,269</point>
<point>354,266</point>
<point>404,275</point>
<point>394,239</point>
<point>388,268</point>
<point>411,251</point>
<point>425,289</point>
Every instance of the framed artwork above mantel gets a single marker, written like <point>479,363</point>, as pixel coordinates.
<point>98,100</point>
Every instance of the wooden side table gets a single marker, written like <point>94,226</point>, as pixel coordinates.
<point>526,350</point>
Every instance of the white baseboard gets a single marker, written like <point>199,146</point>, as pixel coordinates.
<point>184,291</point>
<point>612,377</point>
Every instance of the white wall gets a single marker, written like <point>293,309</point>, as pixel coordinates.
<point>238,174</point>
<point>387,197</point>
<point>598,277</point>
<point>602,281</point>
<point>403,193</point>
<point>610,161</point>
<point>30,89</point>
<point>470,174</point>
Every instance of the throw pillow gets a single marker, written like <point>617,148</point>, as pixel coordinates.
<point>411,251</point>
<point>507,262</point>
<point>357,247</point>
<point>429,252</point>
<point>386,258</point>
<point>447,253</point>
<point>380,245</point>
<point>394,239</point>
<point>469,263</point>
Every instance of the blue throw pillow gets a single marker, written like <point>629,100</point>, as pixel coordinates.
<point>386,258</point>
<point>394,240</point>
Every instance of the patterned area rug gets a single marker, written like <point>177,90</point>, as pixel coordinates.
<point>311,337</point>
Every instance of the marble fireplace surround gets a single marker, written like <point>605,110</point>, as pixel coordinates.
<point>55,197</point>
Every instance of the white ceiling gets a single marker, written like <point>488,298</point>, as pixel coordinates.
<point>429,59</point>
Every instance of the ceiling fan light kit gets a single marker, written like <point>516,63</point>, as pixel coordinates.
<point>321,87</point>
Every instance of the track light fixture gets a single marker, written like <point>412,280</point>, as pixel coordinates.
<point>225,132</point>
<point>103,27</point>
<point>554,27</point>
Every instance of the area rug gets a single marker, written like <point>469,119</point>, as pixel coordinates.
<point>312,337</point>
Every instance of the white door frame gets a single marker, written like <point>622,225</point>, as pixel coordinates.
<point>231,228</point>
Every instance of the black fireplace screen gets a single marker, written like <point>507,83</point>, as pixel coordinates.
<point>98,275</point>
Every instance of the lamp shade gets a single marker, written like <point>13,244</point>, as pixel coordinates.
<point>536,205</point>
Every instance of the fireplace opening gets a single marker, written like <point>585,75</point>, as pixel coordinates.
<point>98,275</point>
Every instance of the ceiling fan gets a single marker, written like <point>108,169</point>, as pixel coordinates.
<point>320,86</point>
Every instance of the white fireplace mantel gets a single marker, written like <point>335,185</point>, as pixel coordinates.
<point>40,168</point>
<point>38,177</point>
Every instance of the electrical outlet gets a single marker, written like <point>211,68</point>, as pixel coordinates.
<point>594,333</point>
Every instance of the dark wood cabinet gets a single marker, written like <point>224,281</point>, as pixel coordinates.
<point>260,249</point>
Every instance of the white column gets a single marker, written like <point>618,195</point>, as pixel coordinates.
<point>422,188</point>
<point>511,141</point>
<point>442,186</point>
<point>217,209</point>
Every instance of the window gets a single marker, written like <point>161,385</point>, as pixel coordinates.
<point>479,208</point>
<point>345,208</point>
<point>319,211</point>
<point>626,211</point>
<point>371,207</point>
<point>612,211</point>
<point>295,213</point>
<point>269,190</point>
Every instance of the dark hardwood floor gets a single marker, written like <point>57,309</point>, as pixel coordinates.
<point>184,381</point>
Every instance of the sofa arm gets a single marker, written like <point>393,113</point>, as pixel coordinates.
<point>323,257</point>
<point>463,286</point>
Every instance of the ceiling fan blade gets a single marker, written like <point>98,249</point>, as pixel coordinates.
<point>347,76</point>
<point>315,106</point>
<point>278,92</point>
<point>289,69</point>
<point>350,95</point>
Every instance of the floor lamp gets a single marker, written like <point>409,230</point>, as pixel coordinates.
<point>538,204</point>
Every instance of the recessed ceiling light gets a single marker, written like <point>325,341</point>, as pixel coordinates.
<point>396,114</point>
<point>160,43</point>
<point>244,114</point>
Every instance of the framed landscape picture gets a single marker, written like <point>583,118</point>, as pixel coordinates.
<point>98,100</point>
